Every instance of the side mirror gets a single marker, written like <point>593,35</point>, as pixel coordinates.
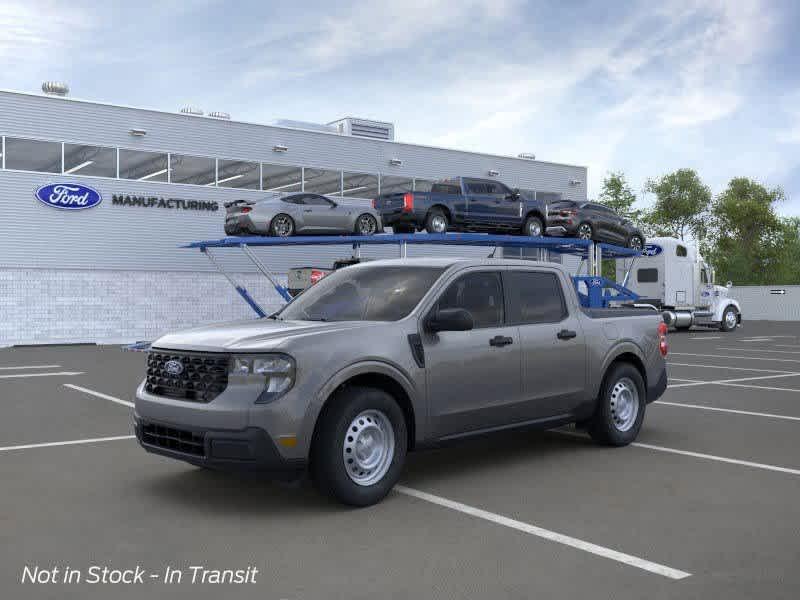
<point>514,194</point>
<point>729,285</point>
<point>450,319</point>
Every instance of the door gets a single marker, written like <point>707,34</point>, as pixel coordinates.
<point>705,291</point>
<point>504,207</point>
<point>604,221</point>
<point>480,204</point>
<point>552,343</point>
<point>322,214</point>
<point>473,377</point>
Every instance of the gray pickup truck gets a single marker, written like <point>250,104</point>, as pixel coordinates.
<point>389,356</point>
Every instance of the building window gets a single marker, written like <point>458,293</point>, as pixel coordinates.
<point>396,185</point>
<point>323,181</point>
<point>360,185</point>
<point>33,155</point>
<point>195,170</point>
<point>90,160</point>
<point>280,178</point>
<point>144,166</point>
<point>238,174</point>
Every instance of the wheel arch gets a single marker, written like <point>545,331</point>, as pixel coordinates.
<point>444,209</point>
<point>285,214</point>
<point>720,310</point>
<point>624,353</point>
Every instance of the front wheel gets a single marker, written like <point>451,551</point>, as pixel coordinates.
<point>360,446</point>
<point>620,408</point>
<point>533,227</point>
<point>366,224</point>
<point>730,319</point>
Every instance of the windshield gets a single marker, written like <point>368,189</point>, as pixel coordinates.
<point>378,293</point>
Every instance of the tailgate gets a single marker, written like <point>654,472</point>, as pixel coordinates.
<point>390,202</point>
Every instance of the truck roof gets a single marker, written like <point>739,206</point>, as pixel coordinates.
<point>448,262</point>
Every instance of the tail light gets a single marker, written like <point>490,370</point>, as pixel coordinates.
<point>662,339</point>
<point>246,209</point>
<point>374,203</point>
<point>569,213</point>
<point>408,202</point>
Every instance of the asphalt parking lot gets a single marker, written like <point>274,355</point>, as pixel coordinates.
<point>705,505</point>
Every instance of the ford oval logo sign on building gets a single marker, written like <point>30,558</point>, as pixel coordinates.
<point>68,196</point>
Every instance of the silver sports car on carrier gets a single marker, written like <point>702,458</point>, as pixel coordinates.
<point>300,213</point>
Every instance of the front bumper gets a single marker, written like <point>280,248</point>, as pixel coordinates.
<point>247,450</point>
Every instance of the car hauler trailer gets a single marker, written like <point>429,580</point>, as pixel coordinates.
<point>672,276</point>
<point>594,291</point>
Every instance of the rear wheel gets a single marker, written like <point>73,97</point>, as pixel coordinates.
<point>585,231</point>
<point>281,226</point>
<point>620,408</point>
<point>730,319</point>
<point>635,242</point>
<point>366,224</point>
<point>533,227</point>
<point>360,446</point>
<point>436,222</point>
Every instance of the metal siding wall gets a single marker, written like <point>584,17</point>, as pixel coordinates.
<point>758,304</point>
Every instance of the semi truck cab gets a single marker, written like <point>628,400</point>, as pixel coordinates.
<point>672,276</point>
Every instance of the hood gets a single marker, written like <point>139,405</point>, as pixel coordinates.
<point>256,335</point>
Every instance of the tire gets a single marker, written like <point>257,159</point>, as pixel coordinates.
<point>730,319</point>
<point>585,231</point>
<point>403,228</point>
<point>335,464</point>
<point>366,224</point>
<point>436,221</point>
<point>533,227</point>
<point>635,242</point>
<point>620,408</point>
<point>282,225</point>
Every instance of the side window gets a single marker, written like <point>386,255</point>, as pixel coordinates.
<point>476,188</point>
<point>317,201</point>
<point>680,251</point>
<point>535,298</point>
<point>295,199</point>
<point>479,293</point>
<point>703,276</point>
<point>647,275</point>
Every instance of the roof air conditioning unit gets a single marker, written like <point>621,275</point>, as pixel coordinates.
<point>216,114</point>
<point>55,88</point>
<point>192,110</point>
<point>375,130</point>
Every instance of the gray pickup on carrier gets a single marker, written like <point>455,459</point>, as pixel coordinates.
<point>385,357</point>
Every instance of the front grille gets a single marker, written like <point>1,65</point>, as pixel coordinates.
<point>179,440</point>
<point>198,377</point>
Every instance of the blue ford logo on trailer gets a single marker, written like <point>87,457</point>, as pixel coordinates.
<point>652,250</point>
<point>68,196</point>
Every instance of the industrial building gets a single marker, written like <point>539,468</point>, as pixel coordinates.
<point>114,272</point>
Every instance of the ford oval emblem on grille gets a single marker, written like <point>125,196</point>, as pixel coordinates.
<point>69,196</point>
<point>173,367</point>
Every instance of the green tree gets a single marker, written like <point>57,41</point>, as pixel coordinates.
<point>681,205</point>
<point>618,195</point>
<point>749,243</point>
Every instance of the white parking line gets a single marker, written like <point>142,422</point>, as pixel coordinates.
<point>674,364</point>
<point>753,340</point>
<point>99,395</point>
<point>19,375</point>
<point>759,350</point>
<point>726,381</point>
<point>792,360</point>
<point>711,337</point>
<point>30,367</point>
<point>761,387</point>
<point>729,410</point>
<point>67,443</point>
<point>546,534</point>
<point>786,345</point>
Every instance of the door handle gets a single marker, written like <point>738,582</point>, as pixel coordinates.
<point>308,210</point>
<point>566,334</point>
<point>499,341</point>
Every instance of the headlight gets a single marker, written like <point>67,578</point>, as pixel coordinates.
<point>275,371</point>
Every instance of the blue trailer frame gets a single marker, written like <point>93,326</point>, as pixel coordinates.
<point>600,292</point>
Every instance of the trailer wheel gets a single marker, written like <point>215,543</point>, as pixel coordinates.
<point>730,319</point>
<point>620,407</point>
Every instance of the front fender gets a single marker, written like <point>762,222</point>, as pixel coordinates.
<point>723,305</point>
<point>365,368</point>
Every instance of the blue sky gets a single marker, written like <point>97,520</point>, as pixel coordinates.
<point>640,87</point>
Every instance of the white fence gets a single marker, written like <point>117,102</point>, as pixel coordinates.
<point>768,302</point>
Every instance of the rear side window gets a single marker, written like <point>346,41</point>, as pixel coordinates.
<point>481,294</point>
<point>680,251</point>
<point>647,275</point>
<point>476,188</point>
<point>534,298</point>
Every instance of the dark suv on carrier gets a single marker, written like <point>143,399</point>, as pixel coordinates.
<point>592,221</point>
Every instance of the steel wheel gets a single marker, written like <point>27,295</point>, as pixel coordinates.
<point>534,227</point>
<point>635,243</point>
<point>368,447</point>
<point>585,231</point>
<point>624,404</point>
<point>282,226</point>
<point>366,225</point>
